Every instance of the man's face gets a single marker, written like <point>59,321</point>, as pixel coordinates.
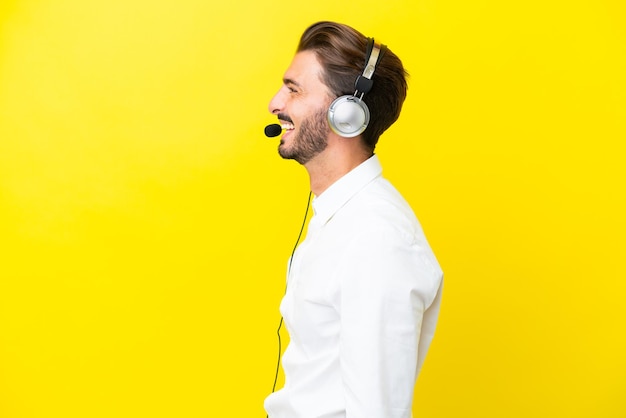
<point>302,103</point>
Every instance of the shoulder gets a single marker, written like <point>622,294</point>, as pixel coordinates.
<point>379,209</point>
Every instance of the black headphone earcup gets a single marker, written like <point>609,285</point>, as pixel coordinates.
<point>348,116</point>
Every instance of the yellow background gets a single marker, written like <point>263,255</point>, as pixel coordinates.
<point>145,221</point>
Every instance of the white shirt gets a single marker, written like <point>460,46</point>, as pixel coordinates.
<point>362,300</point>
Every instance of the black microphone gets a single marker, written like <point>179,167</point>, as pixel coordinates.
<point>273,130</point>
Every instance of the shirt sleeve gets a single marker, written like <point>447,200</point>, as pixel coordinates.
<point>387,284</point>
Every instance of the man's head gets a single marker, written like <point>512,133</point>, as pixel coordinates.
<point>329,59</point>
<point>341,51</point>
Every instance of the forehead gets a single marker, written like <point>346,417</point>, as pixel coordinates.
<point>305,71</point>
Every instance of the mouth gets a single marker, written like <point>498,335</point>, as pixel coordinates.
<point>287,126</point>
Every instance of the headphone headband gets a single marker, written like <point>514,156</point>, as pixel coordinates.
<point>364,82</point>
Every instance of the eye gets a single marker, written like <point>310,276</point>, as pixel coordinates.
<point>292,90</point>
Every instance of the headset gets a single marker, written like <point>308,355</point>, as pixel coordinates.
<point>348,115</point>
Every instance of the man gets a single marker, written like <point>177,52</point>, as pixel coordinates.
<point>363,288</point>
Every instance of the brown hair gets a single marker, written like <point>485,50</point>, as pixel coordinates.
<point>341,50</point>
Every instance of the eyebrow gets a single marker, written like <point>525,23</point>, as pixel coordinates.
<point>290,81</point>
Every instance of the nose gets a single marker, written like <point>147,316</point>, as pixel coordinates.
<point>277,103</point>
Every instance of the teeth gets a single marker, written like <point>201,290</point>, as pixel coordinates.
<point>287,126</point>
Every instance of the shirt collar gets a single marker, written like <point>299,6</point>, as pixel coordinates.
<point>340,192</point>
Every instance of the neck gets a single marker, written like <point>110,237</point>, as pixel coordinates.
<point>338,159</point>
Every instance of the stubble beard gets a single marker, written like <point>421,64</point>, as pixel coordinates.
<point>311,139</point>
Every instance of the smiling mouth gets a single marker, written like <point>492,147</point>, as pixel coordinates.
<point>285,121</point>
<point>287,127</point>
